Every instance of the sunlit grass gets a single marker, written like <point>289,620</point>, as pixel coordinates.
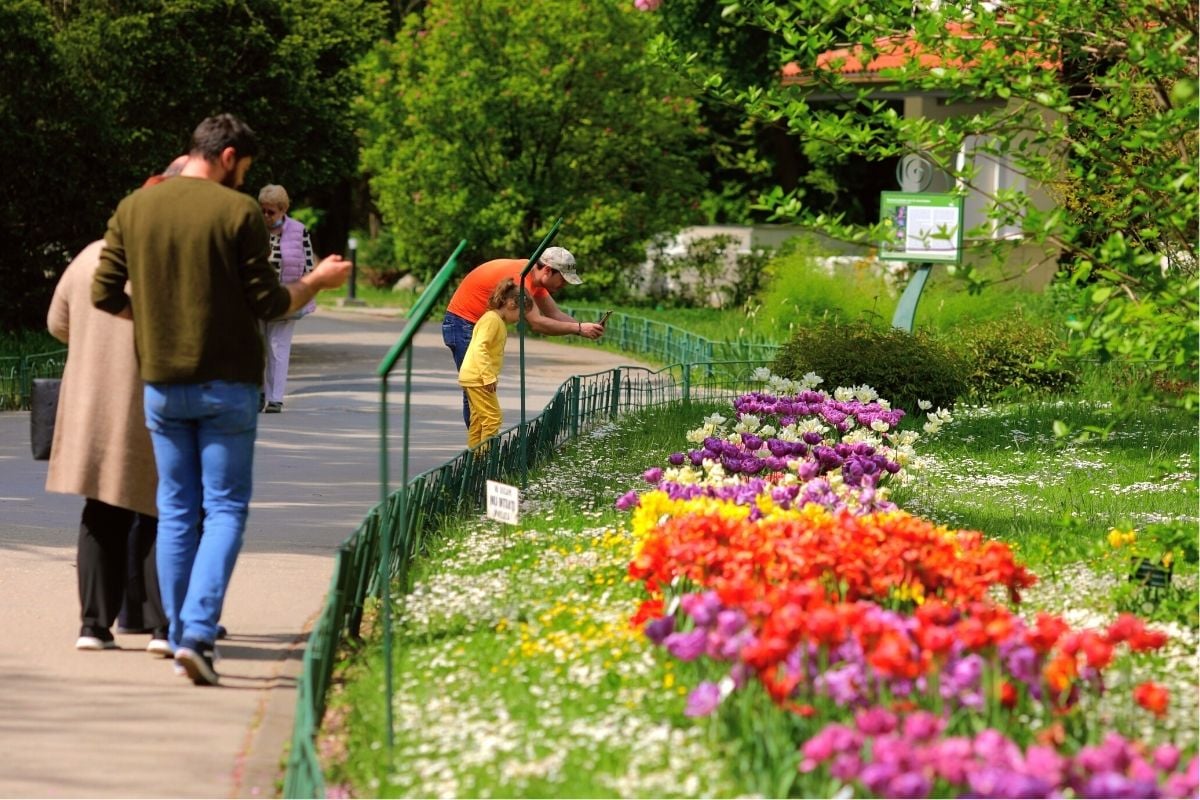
<point>517,673</point>
<point>1002,470</point>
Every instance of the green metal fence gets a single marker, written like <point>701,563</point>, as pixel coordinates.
<point>17,374</point>
<point>669,344</point>
<point>408,516</point>
<point>376,558</point>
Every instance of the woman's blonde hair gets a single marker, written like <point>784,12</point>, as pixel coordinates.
<point>273,194</point>
<point>507,290</point>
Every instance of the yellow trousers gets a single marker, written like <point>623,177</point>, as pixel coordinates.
<point>485,415</point>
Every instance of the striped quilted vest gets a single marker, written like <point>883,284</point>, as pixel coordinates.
<point>291,251</point>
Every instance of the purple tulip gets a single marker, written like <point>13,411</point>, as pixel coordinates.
<point>627,501</point>
<point>831,740</point>
<point>686,646</point>
<point>1022,663</point>
<point>921,726</point>
<point>730,622</point>
<point>875,721</point>
<point>652,475</point>
<point>1166,757</point>
<point>876,777</point>
<point>1109,784</point>
<point>703,700</point>
<point>908,785</point>
<point>701,607</point>
<point>1186,783</point>
<point>845,767</point>
<point>675,459</point>
<point>1046,762</point>
<point>994,748</point>
<point>657,630</point>
<point>812,438</point>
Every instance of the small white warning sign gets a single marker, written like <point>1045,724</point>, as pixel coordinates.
<point>503,502</point>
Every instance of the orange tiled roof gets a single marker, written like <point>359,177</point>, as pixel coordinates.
<point>892,52</point>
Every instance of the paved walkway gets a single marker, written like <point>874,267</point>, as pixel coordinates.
<point>119,723</point>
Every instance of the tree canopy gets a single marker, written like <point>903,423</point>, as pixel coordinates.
<point>488,119</point>
<point>120,87</point>
<point>1099,108</point>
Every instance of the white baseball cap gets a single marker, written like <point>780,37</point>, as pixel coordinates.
<point>561,260</point>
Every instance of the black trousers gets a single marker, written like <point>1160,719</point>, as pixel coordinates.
<point>116,568</point>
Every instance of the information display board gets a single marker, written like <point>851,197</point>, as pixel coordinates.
<point>928,227</point>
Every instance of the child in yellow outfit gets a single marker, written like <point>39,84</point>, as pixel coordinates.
<point>484,357</point>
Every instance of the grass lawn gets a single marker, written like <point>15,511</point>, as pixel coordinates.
<point>518,674</point>
<point>517,671</point>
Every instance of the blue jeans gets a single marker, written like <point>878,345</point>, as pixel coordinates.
<point>203,437</point>
<point>456,333</point>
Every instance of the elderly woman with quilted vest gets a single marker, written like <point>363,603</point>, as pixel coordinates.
<point>292,256</point>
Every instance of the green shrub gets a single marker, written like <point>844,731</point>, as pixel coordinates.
<point>1013,356</point>
<point>805,280</point>
<point>902,367</point>
<point>377,265</point>
<point>27,342</point>
<point>796,288</point>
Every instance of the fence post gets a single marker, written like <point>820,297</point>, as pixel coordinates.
<point>614,405</point>
<point>573,409</point>
<point>687,385</point>
<point>24,387</point>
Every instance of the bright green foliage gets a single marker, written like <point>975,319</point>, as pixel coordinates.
<point>798,289</point>
<point>1094,102</point>
<point>1165,548</point>
<point>121,85</point>
<point>902,367</point>
<point>488,119</point>
<point>1012,356</point>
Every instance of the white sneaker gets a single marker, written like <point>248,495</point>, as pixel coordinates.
<point>160,647</point>
<point>178,669</point>
<point>94,643</point>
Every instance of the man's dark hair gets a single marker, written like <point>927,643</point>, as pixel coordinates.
<point>214,134</point>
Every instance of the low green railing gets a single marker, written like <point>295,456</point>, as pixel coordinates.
<point>377,557</point>
<point>17,374</point>
<point>407,517</point>
<point>670,344</point>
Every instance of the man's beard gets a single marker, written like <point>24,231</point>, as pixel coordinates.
<point>230,179</point>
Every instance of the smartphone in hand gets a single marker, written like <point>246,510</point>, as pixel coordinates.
<point>604,318</point>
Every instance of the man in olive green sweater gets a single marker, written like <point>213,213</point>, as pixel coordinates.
<point>194,251</point>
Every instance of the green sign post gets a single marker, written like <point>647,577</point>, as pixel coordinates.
<point>926,228</point>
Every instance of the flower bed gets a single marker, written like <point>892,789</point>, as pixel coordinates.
<point>892,649</point>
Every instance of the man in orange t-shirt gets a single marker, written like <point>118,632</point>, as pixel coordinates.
<point>553,270</point>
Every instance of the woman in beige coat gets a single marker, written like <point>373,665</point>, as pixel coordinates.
<point>102,451</point>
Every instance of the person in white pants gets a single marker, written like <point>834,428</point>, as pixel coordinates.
<point>292,257</point>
